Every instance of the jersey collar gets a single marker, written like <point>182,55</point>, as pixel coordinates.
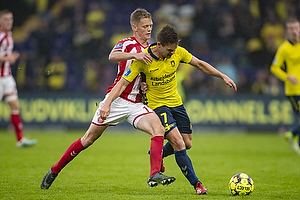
<point>290,42</point>
<point>150,51</point>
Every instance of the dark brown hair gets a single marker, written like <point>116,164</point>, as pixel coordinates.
<point>167,35</point>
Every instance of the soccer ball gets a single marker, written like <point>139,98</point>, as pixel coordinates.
<point>241,184</point>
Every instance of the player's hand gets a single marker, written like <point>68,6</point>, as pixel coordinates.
<point>104,111</point>
<point>229,82</point>
<point>144,87</point>
<point>293,79</point>
<point>145,57</point>
<point>13,57</point>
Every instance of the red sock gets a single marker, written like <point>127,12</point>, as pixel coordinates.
<point>74,149</point>
<point>156,154</point>
<point>17,123</point>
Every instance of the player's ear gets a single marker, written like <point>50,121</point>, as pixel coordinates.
<point>159,44</point>
<point>134,27</point>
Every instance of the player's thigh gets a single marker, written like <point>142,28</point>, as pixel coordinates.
<point>182,119</point>
<point>175,139</point>
<point>10,92</point>
<point>9,86</point>
<point>150,124</point>
<point>13,102</point>
<point>166,118</point>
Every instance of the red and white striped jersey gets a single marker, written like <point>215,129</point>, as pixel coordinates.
<point>6,48</point>
<point>132,92</point>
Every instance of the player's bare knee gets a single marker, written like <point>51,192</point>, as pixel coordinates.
<point>159,131</point>
<point>162,131</point>
<point>188,146</point>
<point>187,140</point>
<point>86,142</point>
<point>178,145</point>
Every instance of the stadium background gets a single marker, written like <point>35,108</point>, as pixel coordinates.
<point>64,70</point>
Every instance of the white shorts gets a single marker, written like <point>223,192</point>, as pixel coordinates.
<point>7,86</point>
<point>120,110</point>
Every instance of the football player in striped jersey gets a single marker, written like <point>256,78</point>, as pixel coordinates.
<point>8,88</point>
<point>127,107</point>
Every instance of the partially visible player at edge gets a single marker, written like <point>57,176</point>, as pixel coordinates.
<point>286,67</point>
<point>163,96</point>
<point>128,106</point>
<point>8,89</point>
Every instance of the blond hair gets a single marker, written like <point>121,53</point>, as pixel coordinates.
<point>138,14</point>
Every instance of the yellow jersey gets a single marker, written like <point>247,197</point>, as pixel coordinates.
<point>160,77</point>
<point>287,62</point>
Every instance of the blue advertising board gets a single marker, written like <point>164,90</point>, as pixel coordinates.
<point>234,112</point>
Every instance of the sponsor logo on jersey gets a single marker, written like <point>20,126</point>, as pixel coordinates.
<point>153,70</point>
<point>128,71</point>
<point>118,45</point>
<point>173,63</point>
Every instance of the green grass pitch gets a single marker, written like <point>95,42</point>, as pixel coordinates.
<point>116,166</point>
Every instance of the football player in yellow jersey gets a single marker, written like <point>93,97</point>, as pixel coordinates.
<point>135,112</point>
<point>286,66</point>
<point>163,96</point>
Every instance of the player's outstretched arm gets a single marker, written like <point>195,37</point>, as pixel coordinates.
<point>115,92</point>
<point>119,56</point>
<point>210,70</point>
